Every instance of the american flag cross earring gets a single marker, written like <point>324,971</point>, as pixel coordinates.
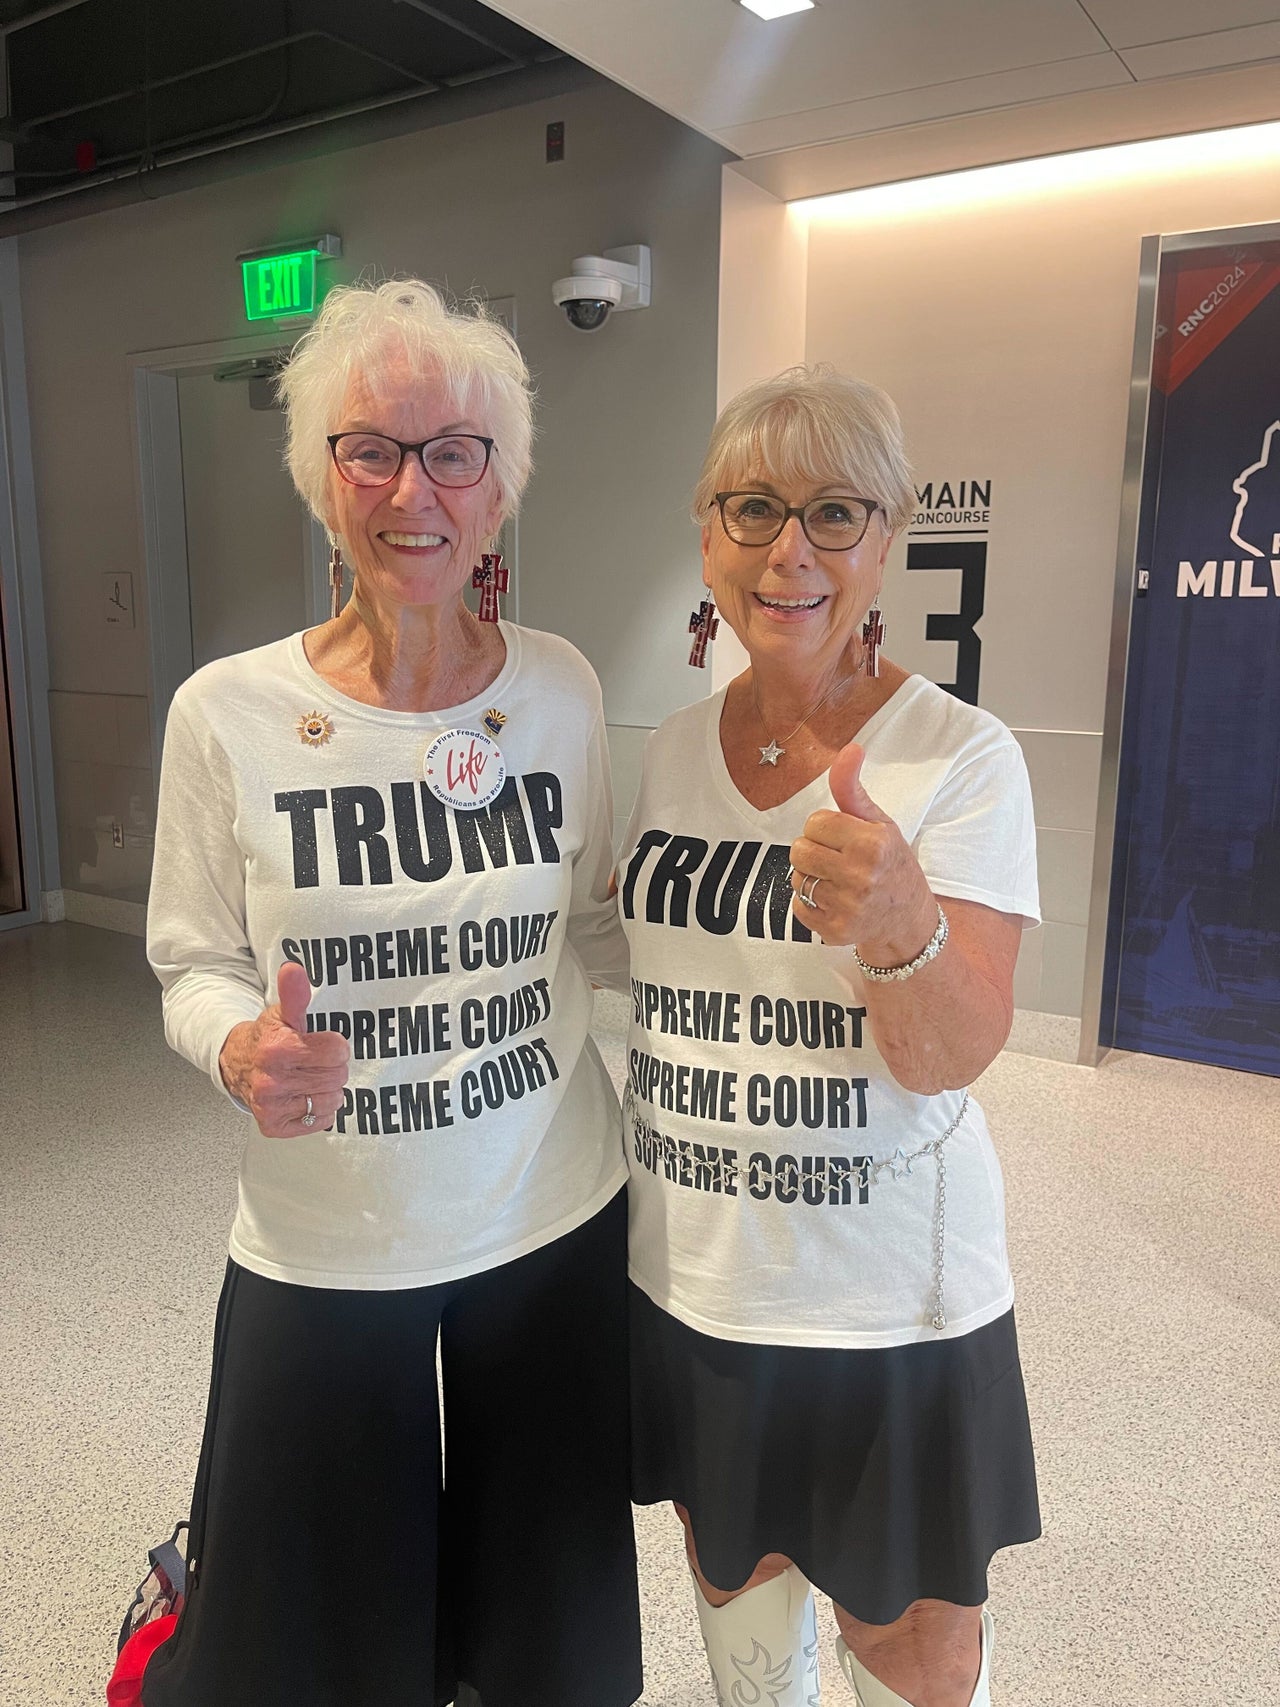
<point>702,625</point>
<point>490,579</point>
<point>335,581</point>
<point>873,639</point>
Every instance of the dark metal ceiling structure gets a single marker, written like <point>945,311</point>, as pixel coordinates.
<point>105,91</point>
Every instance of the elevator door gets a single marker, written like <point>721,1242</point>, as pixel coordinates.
<point>13,897</point>
<point>248,551</point>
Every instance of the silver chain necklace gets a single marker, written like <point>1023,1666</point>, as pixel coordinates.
<point>774,751</point>
<point>725,1175</point>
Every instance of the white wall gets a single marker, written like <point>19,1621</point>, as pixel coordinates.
<point>607,555</point>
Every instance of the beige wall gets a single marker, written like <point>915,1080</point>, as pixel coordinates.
<point>998,310</point>
<point>621,412</point>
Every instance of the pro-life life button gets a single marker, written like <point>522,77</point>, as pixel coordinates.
<point>464,769</point>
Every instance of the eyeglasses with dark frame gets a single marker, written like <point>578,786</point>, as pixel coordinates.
<point>824,527</point>
<point>375,459</point>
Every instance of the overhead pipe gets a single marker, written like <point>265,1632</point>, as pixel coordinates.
<point>462,29</point>
<point>16,24</point>
<point>550,75</point>
<point>427,85</point>
<point>421,85</point>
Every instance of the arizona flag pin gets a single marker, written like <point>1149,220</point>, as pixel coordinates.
<point>493,720</point>
<point>314,729</point>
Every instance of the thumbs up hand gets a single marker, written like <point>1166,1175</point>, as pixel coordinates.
<point>856,867</point>
<point>847,791</point>
<point>278,1068</point>
<point>293,997</point>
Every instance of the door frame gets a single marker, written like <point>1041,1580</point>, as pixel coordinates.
<point>162,510</point>
<point>22,598</point>
<point>1137,508</point>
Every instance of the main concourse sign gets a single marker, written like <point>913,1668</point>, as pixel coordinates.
<point>949,531</point>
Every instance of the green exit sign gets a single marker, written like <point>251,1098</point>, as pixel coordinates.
<point>279,285</point>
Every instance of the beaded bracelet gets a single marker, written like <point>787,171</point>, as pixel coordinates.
<point>894,974</point>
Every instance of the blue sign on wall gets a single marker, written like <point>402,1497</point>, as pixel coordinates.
<point>1198,846</point>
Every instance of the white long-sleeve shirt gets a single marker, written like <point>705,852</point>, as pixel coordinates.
<point>455,949</point>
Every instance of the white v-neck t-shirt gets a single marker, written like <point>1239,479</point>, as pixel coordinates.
<point>455,949</point>
<point>758,1106</point>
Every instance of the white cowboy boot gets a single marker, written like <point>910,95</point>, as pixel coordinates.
<point>763,1646</point>
<point>872,1693</point>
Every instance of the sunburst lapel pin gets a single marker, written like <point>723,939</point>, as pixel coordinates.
<point>493,721</point>
<point>315,729</point>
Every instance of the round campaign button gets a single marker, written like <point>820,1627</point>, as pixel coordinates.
<point>464,769</point>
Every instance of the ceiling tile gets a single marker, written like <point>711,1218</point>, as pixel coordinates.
<point>1134,23</point>
<point>715,65</point>
<point>1205,52</point>
<point>942,100</point>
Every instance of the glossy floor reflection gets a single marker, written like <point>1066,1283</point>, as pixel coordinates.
<point>1143,1214</point>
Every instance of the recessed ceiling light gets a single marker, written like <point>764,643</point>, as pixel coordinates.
<point>776,8</point>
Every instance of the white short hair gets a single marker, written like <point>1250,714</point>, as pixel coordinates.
<point>811,425</point>
<point>363,330</point>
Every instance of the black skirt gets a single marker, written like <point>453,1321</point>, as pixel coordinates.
<point>342,1564</point>
<point>887,1475</point>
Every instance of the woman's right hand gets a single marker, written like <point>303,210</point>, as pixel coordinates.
<point>273,1064</point>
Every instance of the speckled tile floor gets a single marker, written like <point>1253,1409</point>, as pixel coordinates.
<point>1143,1213</point>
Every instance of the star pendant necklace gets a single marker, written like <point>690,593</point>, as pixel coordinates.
<point>774,751</point>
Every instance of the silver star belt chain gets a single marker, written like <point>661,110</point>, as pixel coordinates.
<point>723,1173</point>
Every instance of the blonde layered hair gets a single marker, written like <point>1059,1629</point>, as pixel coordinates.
<point>364,330</point>
<point>810,426</point>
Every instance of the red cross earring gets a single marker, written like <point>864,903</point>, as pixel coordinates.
<point>490,579</point>
<point>702,625</point>
<point>336,567</point>
<point>873,639</point>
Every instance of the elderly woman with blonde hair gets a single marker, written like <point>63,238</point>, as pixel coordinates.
<point>379,901</point>
<point>824,883</point>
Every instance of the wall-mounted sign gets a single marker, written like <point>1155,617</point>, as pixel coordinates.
<point>280,281</point>
<point>279,285</point>
<point>1194,949</point>
<point>949,531</point>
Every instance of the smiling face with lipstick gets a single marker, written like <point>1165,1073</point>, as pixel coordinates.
<point>409,434</point>
<point>413,494</point>
<point>797,569</point>
<point>802,492</point>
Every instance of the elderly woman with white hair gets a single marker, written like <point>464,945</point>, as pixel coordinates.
<point>824,883</point>
<point>380,898</point>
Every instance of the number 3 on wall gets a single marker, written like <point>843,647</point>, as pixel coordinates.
<point>969,556</point>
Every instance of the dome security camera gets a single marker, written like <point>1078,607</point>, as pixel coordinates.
<point>618,279</point>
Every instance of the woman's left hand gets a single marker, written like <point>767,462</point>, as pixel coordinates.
<point>870,889</point>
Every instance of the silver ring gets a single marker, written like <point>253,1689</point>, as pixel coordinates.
<point>806,890</point>
<point>309,1118</point>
